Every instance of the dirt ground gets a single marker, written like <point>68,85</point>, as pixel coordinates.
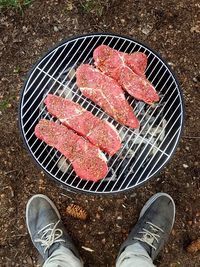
<point>170,27</point>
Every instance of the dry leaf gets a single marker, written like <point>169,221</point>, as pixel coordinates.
<point>195,29</point>
<point>194,246</point>
<point>69,6</point>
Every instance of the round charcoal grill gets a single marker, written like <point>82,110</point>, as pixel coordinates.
<point>144,152</point>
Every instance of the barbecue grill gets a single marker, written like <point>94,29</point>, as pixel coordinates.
<point>145,151</point>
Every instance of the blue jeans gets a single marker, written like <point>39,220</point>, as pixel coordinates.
<point>133,256</point>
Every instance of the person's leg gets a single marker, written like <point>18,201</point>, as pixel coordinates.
<point>49,235</point>
<point>134,256</point>
<point>148,236</point>
<point>63,257</point>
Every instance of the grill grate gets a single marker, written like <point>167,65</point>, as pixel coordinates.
<point>144,152</point>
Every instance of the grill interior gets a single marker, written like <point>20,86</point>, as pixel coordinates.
<point>144,151</point>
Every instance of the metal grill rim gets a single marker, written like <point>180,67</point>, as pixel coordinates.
<point>149,52</point>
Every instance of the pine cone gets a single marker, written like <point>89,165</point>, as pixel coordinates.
<point>77,212</point>
<point>194,246</point>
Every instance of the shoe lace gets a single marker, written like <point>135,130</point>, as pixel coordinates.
<point>50,235</point>
<point>149,236</point>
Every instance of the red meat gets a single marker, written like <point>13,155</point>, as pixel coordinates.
<point>113,64</point>
<point>107,93</point>
<point>87,160</point>
<point>136,61</point>
<point>98,132</point>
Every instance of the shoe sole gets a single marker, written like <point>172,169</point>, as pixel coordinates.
<point>48,200</point>
<point>152,199</point>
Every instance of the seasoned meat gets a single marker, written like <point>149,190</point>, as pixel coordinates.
<point>137,61</point>
<point>100,133</point>
<point>113,64</point>
<point>88,161</point>
<point>106,93</point>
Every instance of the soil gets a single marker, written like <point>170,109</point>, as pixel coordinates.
<point>170,27</point>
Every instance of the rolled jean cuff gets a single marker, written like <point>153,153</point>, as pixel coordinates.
<point>134,256</point>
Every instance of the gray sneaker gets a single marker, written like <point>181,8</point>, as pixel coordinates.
<point>45,227</point>
<point>154,225</point>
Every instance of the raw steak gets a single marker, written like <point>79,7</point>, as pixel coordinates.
<point>87,160</point>
<point>137,61</point>
<point>107,93</point>
<point>113,64</point>
<point>71,114</point>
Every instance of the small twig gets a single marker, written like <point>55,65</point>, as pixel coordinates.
<point>19,174</point>
<point>10,172</point>
<point>98,27</point>
<point>66,195</point>
<point>22,235</point>
<point>87,249</point>
<point>16,254</point>
<point>192,137</point>
<point>11,190</point>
